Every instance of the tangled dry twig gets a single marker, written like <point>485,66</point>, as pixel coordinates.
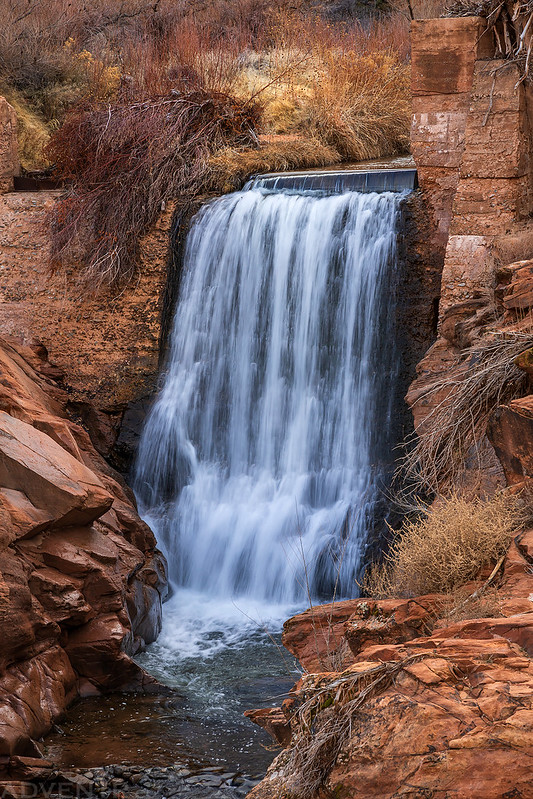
<point>509,21</point>
<point>128,160</point>
<point>487,377</point>
<point>323,722</point>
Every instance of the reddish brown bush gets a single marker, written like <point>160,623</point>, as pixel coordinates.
<point>127,161</point>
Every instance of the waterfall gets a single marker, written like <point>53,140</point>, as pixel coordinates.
<point>264,459</point>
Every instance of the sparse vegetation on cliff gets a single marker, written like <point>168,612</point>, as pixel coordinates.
<point>490,377</point>
<point>448,545</point>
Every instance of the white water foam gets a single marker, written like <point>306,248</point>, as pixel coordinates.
<point>262,464</point>
<point>195,626</point>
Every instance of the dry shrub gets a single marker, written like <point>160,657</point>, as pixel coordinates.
<point>488,377</point>
<point>325,721</point>
<point>419,9</point>
<point>360,105</point>
<point>464,604</point>
<point>128,160</point>
<point>347,87</point>
<point>230,168</point>
<point>183,56</point>
<point>314,77</point>
<point>32,133</point>
<point>281,115</point>
<point>446,547</point>
<point>33,36</point>
<point>148,88</point>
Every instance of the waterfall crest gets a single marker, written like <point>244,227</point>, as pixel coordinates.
<point>262,463</point>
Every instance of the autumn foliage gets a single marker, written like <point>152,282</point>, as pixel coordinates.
<point>148,101</point>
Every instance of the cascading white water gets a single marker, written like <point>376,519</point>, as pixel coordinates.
<point>263,461</point>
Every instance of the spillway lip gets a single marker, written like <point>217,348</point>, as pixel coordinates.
<point>338,181</point>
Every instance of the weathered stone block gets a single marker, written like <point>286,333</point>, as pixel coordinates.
<point>434,103</point>
<point>469,269</point>
<point>496,149</point>
<point>497,137</point>
<point>494,87</point>
<point>438,137</point>
<point>489,206</point>
<point>444,51</point>
<point>439,185</point>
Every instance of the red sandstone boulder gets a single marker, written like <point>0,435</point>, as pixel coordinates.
<point>81,583</point>
<point>22,518</point>
<point>33,694</point>
<point>510,431</point>
<point>329,636</point>
<point>316,636</point>
<point>437,708</point>
<point>517,293</point>
<point>274,721</point>
<point>49,476</point>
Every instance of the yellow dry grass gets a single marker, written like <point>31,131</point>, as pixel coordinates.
<point>355,100</point>
<point>446,547</point>
<point>360,105</point>
<point>229,168</point>
<point>32,133</point>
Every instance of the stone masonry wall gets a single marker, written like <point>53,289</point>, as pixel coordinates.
<point>471,140</point>
<point>443,57</point>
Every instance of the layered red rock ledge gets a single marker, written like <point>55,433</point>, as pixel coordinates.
<point>81,582</point>
<point>456,722</point>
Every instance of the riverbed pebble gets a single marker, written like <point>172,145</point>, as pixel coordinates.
<point>179,781</point>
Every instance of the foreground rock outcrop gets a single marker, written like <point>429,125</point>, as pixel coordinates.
<point>81,582</point>
<point>406,701</point>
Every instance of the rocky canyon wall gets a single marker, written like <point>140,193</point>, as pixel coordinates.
<point>106,345</point>
<point>81,581</point>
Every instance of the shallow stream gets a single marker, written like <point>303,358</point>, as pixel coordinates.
<point>220,660</point>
